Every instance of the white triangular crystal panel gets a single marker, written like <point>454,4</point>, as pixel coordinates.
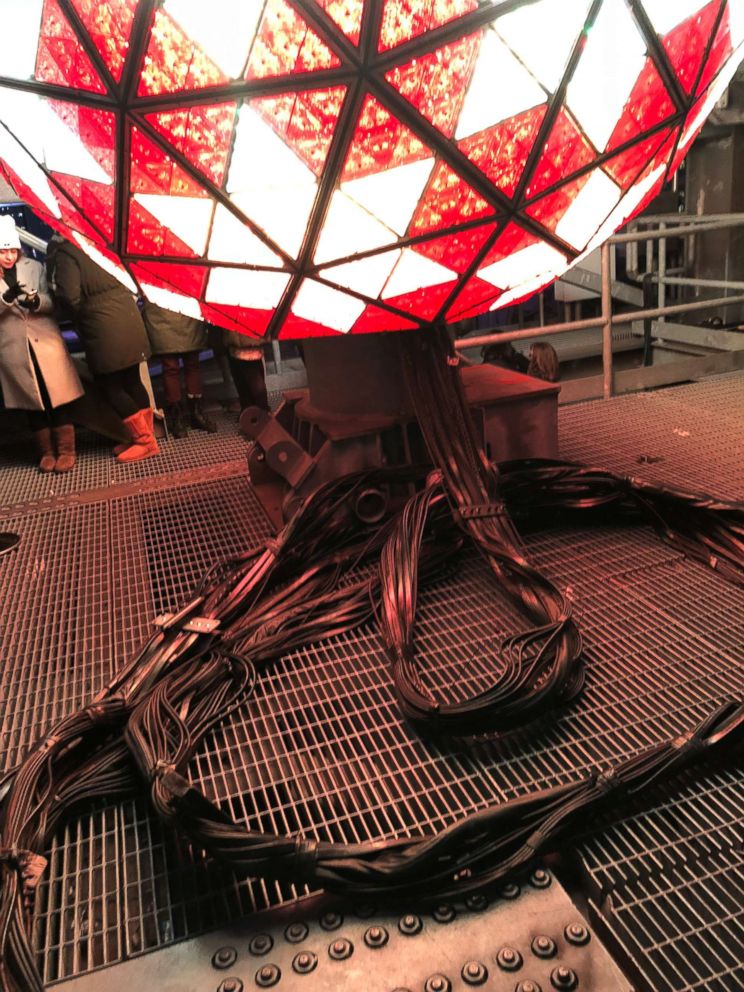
<point>186,305</point>
<point>544,49</point>
<point>18,46</point>
<point>187,216</point>
<point>625,209</point>
<point>223,29</point>
<point>393,195</point>
<point>523,265</point>
<point>327,306</point>
<point>414,272</point>
<point>365,275</point>
<point>593,203</point>
<point>525,289</point>
<point>610,64</point>
<point>500,87</point>
<point>269,183</point>
<point>28,170</point>
<point>243,288</point>
<point>232,241</point>
<point>349,229</point>
<point>39,129</point>
<point>736,21</point>
<point>667,14</point>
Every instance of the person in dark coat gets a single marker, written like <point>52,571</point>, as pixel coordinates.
<point>175,337</point>
<point>106,317</point>
<point>247,369</point>
<point>36,372</point>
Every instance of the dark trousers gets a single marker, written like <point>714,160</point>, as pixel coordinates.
<point>50,416</point>
<point>250,382</point>
<point>124,391</point>
<point>172,375</point>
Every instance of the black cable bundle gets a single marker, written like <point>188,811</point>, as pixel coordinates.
<point>325,574</point>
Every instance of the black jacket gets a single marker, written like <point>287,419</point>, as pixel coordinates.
<point>103,311</point>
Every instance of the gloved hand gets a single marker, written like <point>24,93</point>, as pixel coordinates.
<point>13,292</point>
<point>30,301</point>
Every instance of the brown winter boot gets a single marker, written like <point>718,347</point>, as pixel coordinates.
<point>45,449</point>
<point>143,443</point>
<point>64,439</point>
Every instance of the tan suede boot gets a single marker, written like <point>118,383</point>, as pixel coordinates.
<point>64,439</point>
<point>45,449</point>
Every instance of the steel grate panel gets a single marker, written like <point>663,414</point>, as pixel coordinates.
<point>667,887</point>
<point>322,748</point>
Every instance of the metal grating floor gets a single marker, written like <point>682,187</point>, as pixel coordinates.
<point>321,748</point>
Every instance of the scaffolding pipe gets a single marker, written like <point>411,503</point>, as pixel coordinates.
<point>606,322</point>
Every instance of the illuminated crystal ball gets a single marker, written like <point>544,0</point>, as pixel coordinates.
<point>294,168</point>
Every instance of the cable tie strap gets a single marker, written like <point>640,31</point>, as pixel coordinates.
<point>681,742</point>
<point>272,546</point>
<point>605,781</point>
<point>477,511</point>
<point>305,854</point>
<point>161,768</point>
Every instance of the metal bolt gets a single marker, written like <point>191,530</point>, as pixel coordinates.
<point>527,986</point>
<point>225,957</point>
<point>230,985</point>
<point>341,949</point>
<point>296,932</point>
<point>410,924</point>
<point>304,962</point>
<point>564,978</point>
<point>477,903</point>
<point>267,976</point>
<point>474,973</point>
<point>577,934</point>
<point>509,959</point>
<point>444,913</point>
<point>509,891</point>
<point>438,983</point>
<point>331,921</point>
<point>260,944</point>
<point>543,947</point>
<point>540,878</point>
<point>376,937</point>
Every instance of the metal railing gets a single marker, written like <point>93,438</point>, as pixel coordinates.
<point>649,229</point>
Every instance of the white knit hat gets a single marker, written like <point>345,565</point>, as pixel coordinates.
<point>8,233</point>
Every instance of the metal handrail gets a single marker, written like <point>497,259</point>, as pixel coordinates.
<point>671,225</point>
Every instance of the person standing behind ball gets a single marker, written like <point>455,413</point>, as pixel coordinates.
<point>106,317</point>
<point>175,337</point>
<point>36,372</point>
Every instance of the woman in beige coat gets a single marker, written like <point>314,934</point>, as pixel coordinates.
<point>36,371</point>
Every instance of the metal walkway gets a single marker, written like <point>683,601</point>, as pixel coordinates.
<point>321,747</point>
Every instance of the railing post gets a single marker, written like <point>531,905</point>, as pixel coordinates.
<point>606,321</point>
<point>662,271</point>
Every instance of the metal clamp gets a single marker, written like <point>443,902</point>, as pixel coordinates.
<point>478,511</point>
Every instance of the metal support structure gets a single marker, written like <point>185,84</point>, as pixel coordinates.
<point>668,226</point>
<point>606,322</point>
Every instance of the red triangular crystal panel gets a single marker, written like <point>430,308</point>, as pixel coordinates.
<point>301,49</point>
<point>448,200</point>
<point>109,26</point>
<point>96,128</point>
<point>202,134</point>
<point>186,279</point>
<point>720,51</point>
<point>347,14</point>
<point>60,58</point>
<point>501,151</point>
<point>472,298</point>
<point>406,19</point>
<point>648,104</point>
<point>174,62</point>
<point>380,142</point>
<point>95,201</point>
<point>424,303</point>
<point>147,236</point>
<point>436,83</point>
<point>685,45</point>
<point>513,239</point>
<point>375,319</point>
<point>152,171</point>
<point>457,250</point>
<point>305,120</point>
<point>625,167</point>
<point>549,210</point>
<point>566,150</point>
